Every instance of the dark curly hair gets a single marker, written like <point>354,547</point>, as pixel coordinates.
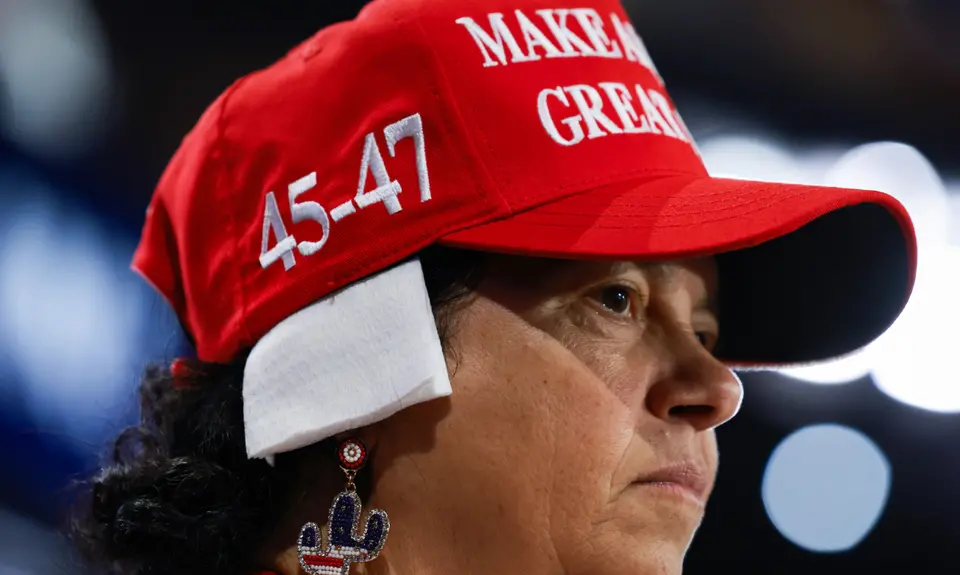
<point>177,494</point>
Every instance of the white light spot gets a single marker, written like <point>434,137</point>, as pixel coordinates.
<point>915,357</point>
<point>55,69</point>
<point>953,196</point>
<point>844,370</point>
<point>825,486</point>
<point>752,158</point>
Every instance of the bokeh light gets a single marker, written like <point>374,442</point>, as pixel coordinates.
<point>72,316</point>
<point>842,370</point>
<point>751,158</point>
<point>914,359</point>
<point>56,79</point>
<point>825,487</point>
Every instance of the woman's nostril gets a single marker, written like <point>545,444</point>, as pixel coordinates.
<point>681,410</point>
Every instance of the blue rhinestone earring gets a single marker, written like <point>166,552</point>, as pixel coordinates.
<point>345,544</point>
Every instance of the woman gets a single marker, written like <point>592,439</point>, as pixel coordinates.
<point>505,338</point>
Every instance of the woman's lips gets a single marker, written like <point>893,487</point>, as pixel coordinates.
<point>684,479</point>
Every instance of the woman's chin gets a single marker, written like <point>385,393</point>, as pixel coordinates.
<point>654,518</point>
<point>644,559</point>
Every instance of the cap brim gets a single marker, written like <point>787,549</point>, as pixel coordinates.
<point>807,273</point>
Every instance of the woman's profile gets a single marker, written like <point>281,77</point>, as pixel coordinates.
<point>464,299</point>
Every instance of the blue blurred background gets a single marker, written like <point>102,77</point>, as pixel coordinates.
<point>841,468</point>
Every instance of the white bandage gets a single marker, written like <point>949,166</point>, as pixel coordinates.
<point>351,359</point>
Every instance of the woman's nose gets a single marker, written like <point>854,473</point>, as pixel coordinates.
<point>694,387</point>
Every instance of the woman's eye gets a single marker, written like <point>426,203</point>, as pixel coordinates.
<point>616,299</point>
<point>707,339</point>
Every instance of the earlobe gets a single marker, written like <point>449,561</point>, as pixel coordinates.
<point>286,563</point>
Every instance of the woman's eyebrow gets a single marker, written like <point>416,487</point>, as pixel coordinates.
<point>620,267</point>
<point>707,301</point>
<point>617,268</point>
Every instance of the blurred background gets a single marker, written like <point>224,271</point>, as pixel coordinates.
<point>841,468</point>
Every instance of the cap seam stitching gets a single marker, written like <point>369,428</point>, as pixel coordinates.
<point>244,336</point>
<point>455,107</point>
<point>755,206</point>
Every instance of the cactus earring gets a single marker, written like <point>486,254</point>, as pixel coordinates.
<point>344,544</point>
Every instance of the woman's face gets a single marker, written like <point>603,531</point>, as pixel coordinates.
<point>579,436</point>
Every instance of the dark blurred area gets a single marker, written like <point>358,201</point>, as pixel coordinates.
<point>95,97</point>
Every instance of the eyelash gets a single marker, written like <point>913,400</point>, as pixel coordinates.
<point>632,295</point>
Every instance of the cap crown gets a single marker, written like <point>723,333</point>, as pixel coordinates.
<point>377,137</point>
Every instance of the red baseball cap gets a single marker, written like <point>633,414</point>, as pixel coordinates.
<point>517,126</point>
